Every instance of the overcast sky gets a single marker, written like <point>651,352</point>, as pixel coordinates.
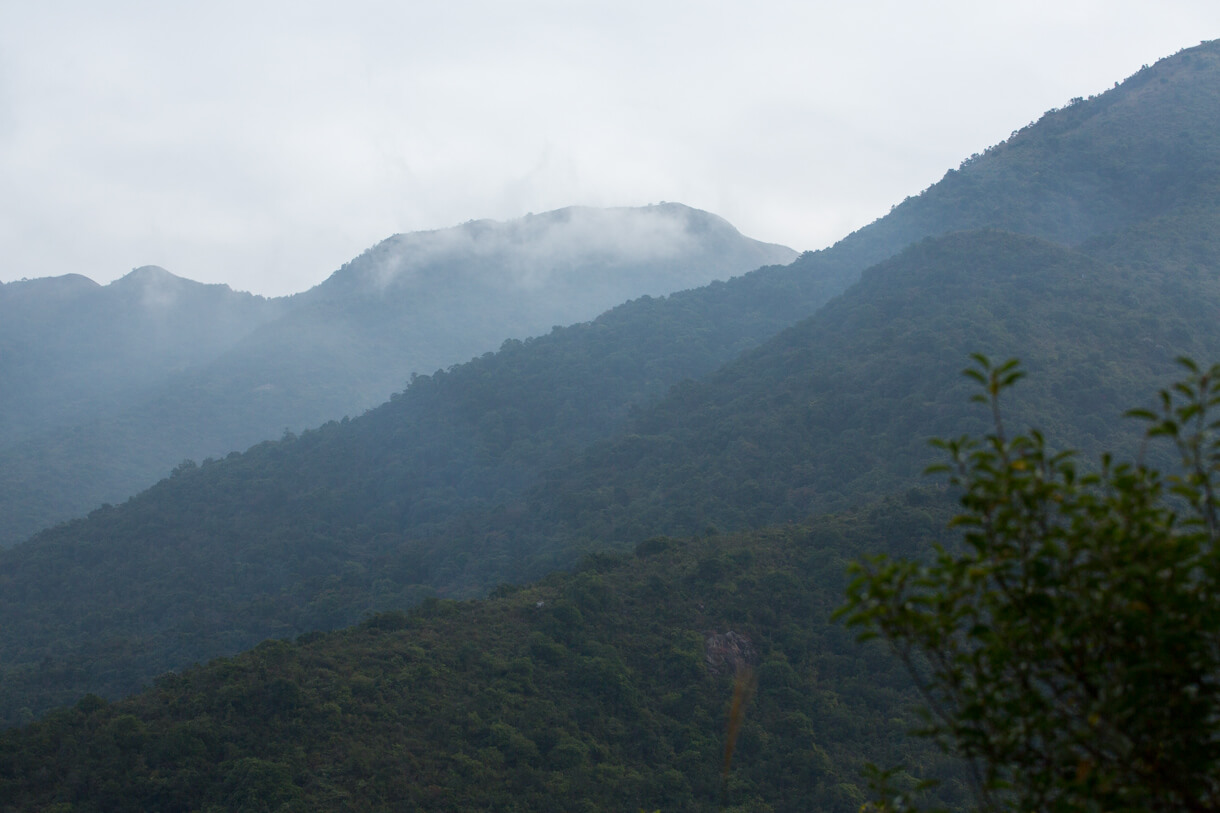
<point>263,144</point>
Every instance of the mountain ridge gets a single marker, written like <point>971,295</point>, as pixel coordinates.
<point>432,489</point>
<point>332,351</point>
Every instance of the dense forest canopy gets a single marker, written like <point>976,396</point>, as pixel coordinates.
<point>606,688</point>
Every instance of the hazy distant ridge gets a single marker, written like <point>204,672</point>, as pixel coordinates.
<point>72,351</point>
<point>103,389</point>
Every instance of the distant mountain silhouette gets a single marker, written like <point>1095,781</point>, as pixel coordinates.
<point>73,351</point>
<point>105,389</point>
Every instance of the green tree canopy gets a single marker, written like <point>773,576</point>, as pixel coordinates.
<point>1069,647</point>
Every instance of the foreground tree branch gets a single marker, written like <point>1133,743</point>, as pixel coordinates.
<point>1069,648</point>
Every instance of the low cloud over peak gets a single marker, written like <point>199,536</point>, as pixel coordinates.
<point>565,247</point>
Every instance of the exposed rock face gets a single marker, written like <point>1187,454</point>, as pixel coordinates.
<point>728,652</point>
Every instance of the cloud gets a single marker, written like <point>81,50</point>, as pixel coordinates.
<point>263,145</point>
<point>536,251</point>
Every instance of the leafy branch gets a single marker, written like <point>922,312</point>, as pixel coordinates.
<point>1069,648</point>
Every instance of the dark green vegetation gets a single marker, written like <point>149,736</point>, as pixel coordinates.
<point>485,473</point>
<point>1087,244</point>
<point>104,389</point>
<point>1068,648</point>
<point>840,407</point>
<point>587,691</point>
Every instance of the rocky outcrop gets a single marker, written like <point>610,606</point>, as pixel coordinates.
<point>728,652</point>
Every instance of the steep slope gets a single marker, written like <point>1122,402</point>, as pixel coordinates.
<point>841,405</point>
<point>605,689</point>
<point>1140,150</point>
<point>139,383</point>
<point>426,492</point>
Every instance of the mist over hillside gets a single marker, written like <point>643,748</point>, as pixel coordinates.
<point>106,389</point>
<point>737,414</point>
<point>1142,150</point>
<point>493,469</point>
<point>579,252</point>
<point>73,351</point>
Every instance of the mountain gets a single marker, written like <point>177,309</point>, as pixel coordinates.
<point>426,300</point>
<point>1136,152</point>
<point>523,460</point>
<point>72,351</point>
<point>110,387</point>
<point>603,689</point>
<point>839,407</point>
<point>570,264</point>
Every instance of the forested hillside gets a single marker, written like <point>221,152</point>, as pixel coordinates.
<point>486,472</point>
<point>226,553</point>
<point>605,689</point>
<point>840,406</point>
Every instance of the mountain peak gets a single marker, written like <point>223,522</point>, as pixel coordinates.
<point>147,274</point>
<point>625,251</point>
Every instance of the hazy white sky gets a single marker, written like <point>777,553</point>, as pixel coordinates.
<point>263,144</point>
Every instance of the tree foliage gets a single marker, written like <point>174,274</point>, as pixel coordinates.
<point>605,689</point>
<point>1069,648</point>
